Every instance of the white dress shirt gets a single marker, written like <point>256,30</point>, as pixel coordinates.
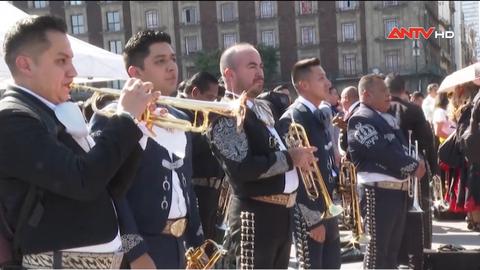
<point>175,142</point>
<point>71,117</point>
<point>291,177</point>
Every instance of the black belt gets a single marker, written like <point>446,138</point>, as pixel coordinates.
<point>211,182</point>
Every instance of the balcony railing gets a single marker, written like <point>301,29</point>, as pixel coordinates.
<point>227,21</point>
<point>348,9</point>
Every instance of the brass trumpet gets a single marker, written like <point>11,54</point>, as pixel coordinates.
<point>413,185</point>
<point>348,188</point>
<point>313,181</point>
<point>234,108</point>
<point>438,200</point>
<point>197,258</point>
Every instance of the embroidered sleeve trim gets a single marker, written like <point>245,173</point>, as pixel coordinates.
<point>311,217</point>
<point>231,144</point>
<point>280,166</point>
<point>129,241</point>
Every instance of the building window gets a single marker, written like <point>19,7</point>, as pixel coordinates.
<point>390,3</point>
<point>228,13</point>
<point>347,5</point>
<point>113,21</point>
<point>348,31</point>
<point>115,46</point>
<point>268,38</point>
<point>392,59</point>
<point>229,39</point>
<point>39,4</point>
<point>78,24</point>
<point>191,44</point>
<point>190,15</point>
<point>306,7</point>
<point>349,64</point>
<point>308,35</point>
<point>266,9</point>
<point>151,18</point>
<point>75,3</point>
<point>389,25</point>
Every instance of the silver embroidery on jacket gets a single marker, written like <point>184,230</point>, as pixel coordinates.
<point>172,165</point>
<point>232,144</point>
<point>280,166</point>
<point>311,217</point>
<point>129,241</point>
<point>366,134</point>
<point>408,169</point>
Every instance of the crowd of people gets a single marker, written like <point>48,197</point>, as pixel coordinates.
<point>123,192</point>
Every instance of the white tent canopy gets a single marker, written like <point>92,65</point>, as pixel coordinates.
<point>93,64</point>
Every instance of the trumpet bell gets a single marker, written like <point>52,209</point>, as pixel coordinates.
<point>199,258</point>
<point>333,211</point>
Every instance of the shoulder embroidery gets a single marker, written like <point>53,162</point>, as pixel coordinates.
<point>232,144</point>
<point>366,134</point>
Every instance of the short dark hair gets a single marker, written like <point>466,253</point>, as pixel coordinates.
<point>138,46</point>
<point>30,33</point>
<point>395,83</point>
<point>367,81</point>
<point>201,80</point>
<point>302,68</point>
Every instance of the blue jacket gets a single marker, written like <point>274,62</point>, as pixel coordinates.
<point>377,147</point>
<point>318,136</point>
<point>145,209</point>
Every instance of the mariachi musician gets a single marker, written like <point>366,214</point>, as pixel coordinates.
<point>258,166</point>
<point>317,240</point>
<point>381,156</point>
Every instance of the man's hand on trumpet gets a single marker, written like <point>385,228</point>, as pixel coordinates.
<point>303,157</point>
<point>135,97</point>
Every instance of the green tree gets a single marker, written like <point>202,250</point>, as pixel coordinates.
<point>209,62</point>
<point>270,64</point>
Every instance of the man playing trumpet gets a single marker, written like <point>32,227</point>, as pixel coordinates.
<point>56,184</point>
<point>322,247</point>
<point>160,210</point>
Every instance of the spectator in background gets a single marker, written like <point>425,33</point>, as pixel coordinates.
<point>417,98</point>
<point>428,105</point>
<point>442,125</point>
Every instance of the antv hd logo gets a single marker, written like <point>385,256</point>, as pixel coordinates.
<point>417,32</point>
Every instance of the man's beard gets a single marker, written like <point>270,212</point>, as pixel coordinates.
<point>253,90</point>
